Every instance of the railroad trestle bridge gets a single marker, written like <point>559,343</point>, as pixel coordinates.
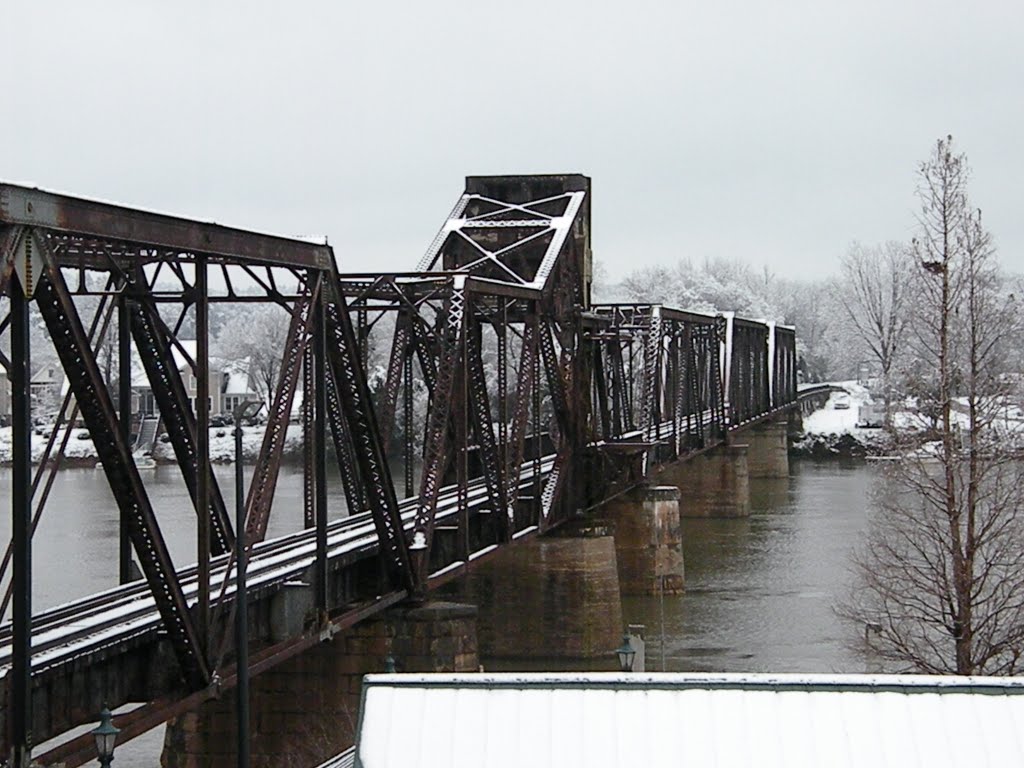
<point>503,404</point>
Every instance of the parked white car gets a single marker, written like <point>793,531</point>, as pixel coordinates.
<point>841,402</point>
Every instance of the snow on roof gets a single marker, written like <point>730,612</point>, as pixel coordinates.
<point>345,759</point>
<point>47,374</point>
<point>605,720</point>
<point>238,378</point>
<point>236,371</point>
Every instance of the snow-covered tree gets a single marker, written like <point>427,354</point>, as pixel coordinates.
<point>253,341</point>
<point>874,294</point>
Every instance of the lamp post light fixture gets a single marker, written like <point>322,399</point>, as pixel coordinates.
<point>626,654</point>
<point>106,735</point>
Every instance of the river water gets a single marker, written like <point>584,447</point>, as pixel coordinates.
<point>759,593</point>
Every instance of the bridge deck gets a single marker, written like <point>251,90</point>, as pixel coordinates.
<point>127,615</point>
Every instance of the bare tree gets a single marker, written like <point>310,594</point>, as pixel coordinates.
<point>873,293</point>
<point>941,579</point>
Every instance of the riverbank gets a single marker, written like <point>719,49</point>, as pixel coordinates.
<point>81,452</point>
<point>835,431</point>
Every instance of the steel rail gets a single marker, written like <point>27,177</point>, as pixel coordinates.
<point>84,626</point>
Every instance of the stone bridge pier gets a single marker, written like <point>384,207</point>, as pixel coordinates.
<point>550,602</point>
<point>555,602</point>
<point>715,483</point>
<point>306,709</point>
<point>768,449</point>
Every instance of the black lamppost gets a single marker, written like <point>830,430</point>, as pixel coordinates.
<point>626,654</point>
<point>242,412</point>
<point>106,735</point>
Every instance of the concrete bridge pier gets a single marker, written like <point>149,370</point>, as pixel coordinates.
<point>551,599</point>
<point>307,708</point>
<point>715,483</point>
<point>768,451</point>
<point>648,539</point>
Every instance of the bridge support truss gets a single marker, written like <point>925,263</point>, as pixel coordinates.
<point>505,402</point>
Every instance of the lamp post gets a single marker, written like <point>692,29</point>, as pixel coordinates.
<point>106,735</point>
<point>626,654</point>
<point>242,412</point>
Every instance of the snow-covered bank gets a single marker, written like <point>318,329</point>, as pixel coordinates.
<point>835,432</point>
<point>81,451</point>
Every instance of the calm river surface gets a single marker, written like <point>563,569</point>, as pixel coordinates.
<point>759,592</point>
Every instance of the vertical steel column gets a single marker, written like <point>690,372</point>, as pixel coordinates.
<point>363,335</point>
<point>320,451</point>
<point>19,702</point>
<point>538,447</point>
<point>202,409</point>
<point>124,398</point>
<point>408,448</point>
<point>501,334</point>
<point>242,601</point>
<point>309,390</point>
<point>460,411</point>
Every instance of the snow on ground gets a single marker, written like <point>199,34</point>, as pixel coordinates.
<point>832,420</point>
<point>80,447</point>
<point>833,430</point>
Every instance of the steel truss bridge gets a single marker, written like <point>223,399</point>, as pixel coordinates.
<point>508,401</point>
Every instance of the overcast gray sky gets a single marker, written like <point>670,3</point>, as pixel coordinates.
<point>774,132</point>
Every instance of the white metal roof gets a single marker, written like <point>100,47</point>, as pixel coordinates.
<point>655,721</point>
<point>345,759</point>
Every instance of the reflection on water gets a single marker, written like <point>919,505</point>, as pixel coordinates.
<point>760,591</point>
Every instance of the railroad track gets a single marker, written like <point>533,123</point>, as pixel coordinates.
<point>125,613</point>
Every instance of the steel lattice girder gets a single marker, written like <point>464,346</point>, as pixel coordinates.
<point>356,492</point>
<point>483,428</point>
<point>748,380</point>
<point>71,343</point>
<point>436,445</point>
<point>354,395</point>
<point>172,400</point>
<point>62,213</point>
<point>515,230</point>
<point>268,466</point>
<point>551,315</point>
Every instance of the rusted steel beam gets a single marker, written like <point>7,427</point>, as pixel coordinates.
<point>356,493</point>
<point>400,350</point>
<point>176,411</point>
<point>353,393</point>
<point>18,735</point>
<point>268,466</point>
<point>79,362</point>
<point>319,468</point>
<point>64,213</point>
<point>475,382</point>
<point>525,385</point>
<point>436,443</point>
